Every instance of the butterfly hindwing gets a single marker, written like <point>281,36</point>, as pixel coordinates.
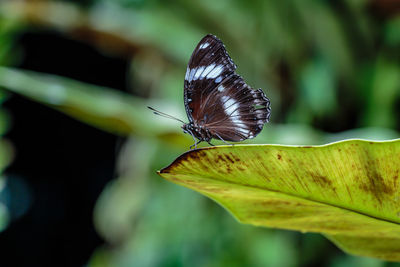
<point>234,111</point>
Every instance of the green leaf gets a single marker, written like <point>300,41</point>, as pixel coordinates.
<point>349,190</point>
<point>101,107</point>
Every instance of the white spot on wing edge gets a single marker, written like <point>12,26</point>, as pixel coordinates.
<point>191,74</point>
<point>187,74</point>
<point>221,88</point>
<point>205,45</point>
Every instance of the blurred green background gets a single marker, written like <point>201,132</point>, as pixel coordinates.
<point>79,149</point>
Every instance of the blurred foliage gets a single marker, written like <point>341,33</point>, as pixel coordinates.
<point>330,69</point>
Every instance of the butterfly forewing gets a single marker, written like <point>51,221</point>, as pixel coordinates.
<point>218,99</point>
<point>207,67</point>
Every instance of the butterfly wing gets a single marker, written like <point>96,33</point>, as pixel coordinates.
<point>207,67</point>
<point>219,99</point>
<point>240,112</point>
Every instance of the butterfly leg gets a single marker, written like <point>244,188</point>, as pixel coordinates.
<point>195,145</point>
<point>194,139</point>
<point>210,143</point>
<point>223,140</point>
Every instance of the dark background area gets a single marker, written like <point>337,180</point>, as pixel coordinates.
<point>64,163</point>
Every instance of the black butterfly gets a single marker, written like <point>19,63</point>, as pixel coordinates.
<point>218,103</point>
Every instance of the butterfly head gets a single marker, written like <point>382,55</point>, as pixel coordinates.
<point>188,128</point>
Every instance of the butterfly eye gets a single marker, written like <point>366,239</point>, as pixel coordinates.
<point>186,130</point>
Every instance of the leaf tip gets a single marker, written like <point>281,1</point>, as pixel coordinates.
<point>194,154</point>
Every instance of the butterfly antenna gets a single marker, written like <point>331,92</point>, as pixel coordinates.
<point>165,115</point>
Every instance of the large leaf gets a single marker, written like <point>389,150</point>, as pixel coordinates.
<point>348,191</point>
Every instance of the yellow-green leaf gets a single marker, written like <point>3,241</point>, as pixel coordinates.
<point>349,190</point>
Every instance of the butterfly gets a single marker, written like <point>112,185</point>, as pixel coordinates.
<point>218,103</point>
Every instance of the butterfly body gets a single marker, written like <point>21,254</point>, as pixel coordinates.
<point>218,103</point>
<point>198,131</point>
